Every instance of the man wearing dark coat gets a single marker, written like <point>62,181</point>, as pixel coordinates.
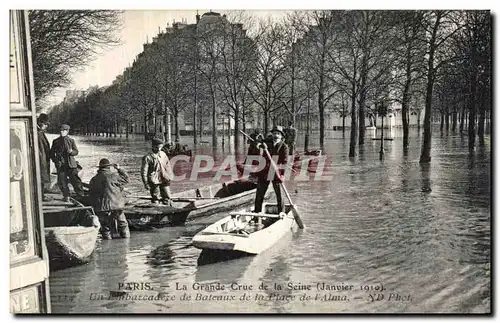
<point>106,194</point>
<point>276,147</point>
<point>63,154</point>
<point>44,154</point>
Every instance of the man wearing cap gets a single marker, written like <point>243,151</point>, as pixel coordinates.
<point>156,173</point>
<point>63,154</point>
<point>44,154</point>
<point>105,192</point>
<point>276,147</point>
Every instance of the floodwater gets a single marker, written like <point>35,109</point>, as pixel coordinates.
<point>422,233</point>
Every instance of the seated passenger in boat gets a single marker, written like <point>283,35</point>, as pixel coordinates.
<point>105,191</point>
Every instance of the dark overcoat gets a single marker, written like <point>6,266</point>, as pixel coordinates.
<point>63,152</point>
<point>44,156</point>
<point>106,190</point>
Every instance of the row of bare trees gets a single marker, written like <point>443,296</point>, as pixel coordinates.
<point>309,62</point>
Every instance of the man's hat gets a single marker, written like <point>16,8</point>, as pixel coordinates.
<point>65,127</point>
<point>104,163</point>
<point>43,118</point>
<point>156,142</point>
<point>278,129</point>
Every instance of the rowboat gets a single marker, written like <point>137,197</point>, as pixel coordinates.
<point>247,232</point>
<point>174,153</point>
<point>187,205</point>
<point>71,231</point>
<point>308,154</point>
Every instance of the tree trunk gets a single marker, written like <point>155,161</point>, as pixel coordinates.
<point>236,128</point>
<point>343,125</point>
<point>214,122</point>
<point>441,123</point>
<point>308,125</point>
<point>201,124</point>
<point>404,115</point>
<point>447,119</point>
<point>454,121</point>
<point>352,143</point>
<point>321,108</point>
<point>146,131</point>
<point>425,156</point>
<point>167,128</point>
<point>127,125</point>
<point>195,138</point>
<point>176,121</point>
<point>481,120</point>
<point>344,114</point>
<point>419,113</point>
<point>462,120</point>
<point>362,100</point>
<point>472,115</point>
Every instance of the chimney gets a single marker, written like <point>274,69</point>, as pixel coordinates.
<point>197,17</point>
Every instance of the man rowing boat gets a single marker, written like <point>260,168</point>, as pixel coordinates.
<point>156,173</point>
<point>275,147</point>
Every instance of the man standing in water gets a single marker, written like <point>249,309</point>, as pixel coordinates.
<point>156,173</point>
<point>276,147</point>
<point>44,154</point>
<point>63,154</point>
<point>105,192</point>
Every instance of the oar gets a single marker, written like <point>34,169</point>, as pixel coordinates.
<point>295,212</point>
<point>175,199</point>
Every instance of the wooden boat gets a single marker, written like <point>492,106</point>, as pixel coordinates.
<point>187,205</point>
<point>312,164</point>
<point>174,153</point>
<point>71,231</point>
<point>390,139</point>
<point>247,232</point>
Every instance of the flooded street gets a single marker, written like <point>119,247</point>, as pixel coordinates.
<point>422,231</point>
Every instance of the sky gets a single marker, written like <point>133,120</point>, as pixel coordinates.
<point>138,27</point>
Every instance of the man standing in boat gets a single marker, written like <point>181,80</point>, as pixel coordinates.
<point>277,147</point>
<point>156,173</point>
<point>63,154</point>
<point>44,154</point>
<point>105,192</point>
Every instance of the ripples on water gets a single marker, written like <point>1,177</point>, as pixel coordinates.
<point>419,230</point>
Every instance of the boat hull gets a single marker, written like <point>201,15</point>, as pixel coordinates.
<point>143,215</point>
<point>69,246</point>
<point>214,237</point>
<point>71,232</point>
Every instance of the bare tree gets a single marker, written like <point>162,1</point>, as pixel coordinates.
<point>440,27</point>
<point>410,63</point>
<point>64,40</point>
<point>265,88</point>
<point>210,36</point>
<point>236,65</point>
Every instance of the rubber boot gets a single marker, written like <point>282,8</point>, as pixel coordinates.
<point>122,225</point>
<point>106,235</point>
<point>124,232</point>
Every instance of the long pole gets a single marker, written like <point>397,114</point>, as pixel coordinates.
<point>295,212</point>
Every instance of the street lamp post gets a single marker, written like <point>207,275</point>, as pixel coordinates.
<point>382,110</point>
